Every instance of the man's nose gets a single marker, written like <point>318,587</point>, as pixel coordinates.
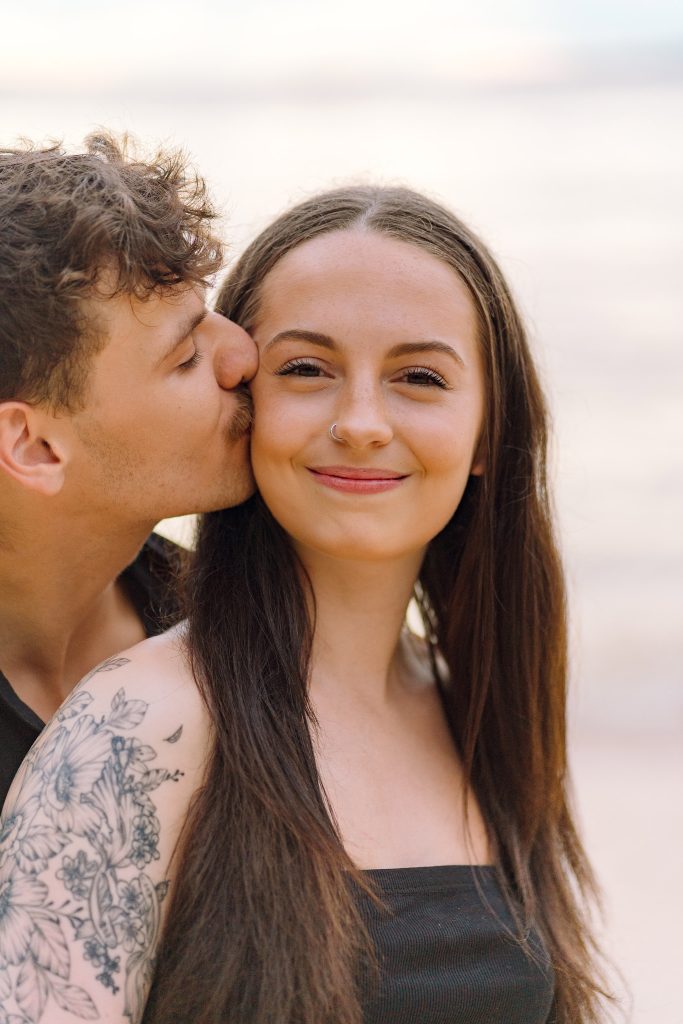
<point>235,354</point>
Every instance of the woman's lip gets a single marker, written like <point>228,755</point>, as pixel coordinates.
<point>356,481</point>
<point>356,473</point>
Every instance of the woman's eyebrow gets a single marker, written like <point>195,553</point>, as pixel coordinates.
<point>405,348</point>
<point>295,334</point>
<point>409,348</point>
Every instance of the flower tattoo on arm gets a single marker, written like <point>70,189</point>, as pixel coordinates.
<point>85,813</point>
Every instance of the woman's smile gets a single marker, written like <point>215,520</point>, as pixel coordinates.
<point>354,480</point>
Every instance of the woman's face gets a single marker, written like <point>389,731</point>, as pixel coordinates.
<point>378,337</point>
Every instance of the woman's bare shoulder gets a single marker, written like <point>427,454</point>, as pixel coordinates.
<point>88,834</point>
<point>156,674</point>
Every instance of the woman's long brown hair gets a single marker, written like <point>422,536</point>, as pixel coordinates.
<point>264,927</point>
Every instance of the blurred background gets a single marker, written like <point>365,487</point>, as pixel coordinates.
<point>555,129</point>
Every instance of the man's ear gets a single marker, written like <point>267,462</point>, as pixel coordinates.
<point>28,452</point>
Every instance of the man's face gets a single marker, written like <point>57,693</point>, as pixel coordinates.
<point>164,431</point>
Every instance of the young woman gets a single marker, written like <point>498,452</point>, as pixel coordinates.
<point>357,825</point>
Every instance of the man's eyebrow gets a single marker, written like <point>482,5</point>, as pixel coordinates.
<point>185,328</point>
<point>295,334</point>
<point>409,348</point>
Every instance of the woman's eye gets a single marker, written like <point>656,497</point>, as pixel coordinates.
<point>423,376</point>
<point>191,362</point>
<point>300,368</point>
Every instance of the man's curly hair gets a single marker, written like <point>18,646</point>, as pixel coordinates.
<point>65,220</point>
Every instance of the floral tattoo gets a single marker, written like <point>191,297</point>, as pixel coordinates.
<point>86,791</point>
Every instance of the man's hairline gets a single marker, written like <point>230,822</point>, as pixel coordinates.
<point>93,336</point>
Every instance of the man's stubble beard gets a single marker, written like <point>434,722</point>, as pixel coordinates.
<point>242,480</point>
<point>242,418</point>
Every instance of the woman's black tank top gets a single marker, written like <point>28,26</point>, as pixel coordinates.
<point>447,952</point>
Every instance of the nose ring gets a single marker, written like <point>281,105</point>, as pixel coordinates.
<point>335,437</point>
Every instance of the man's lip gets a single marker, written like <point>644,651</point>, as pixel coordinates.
<point>357,473</point>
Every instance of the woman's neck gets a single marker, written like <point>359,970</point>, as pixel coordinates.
<point>360,611</point>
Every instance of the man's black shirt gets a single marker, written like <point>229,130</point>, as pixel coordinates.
<point>149,583</point>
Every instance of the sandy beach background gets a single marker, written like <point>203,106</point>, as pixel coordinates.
<point>561,142</point>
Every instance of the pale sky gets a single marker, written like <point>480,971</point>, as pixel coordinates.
<point>79,44</point>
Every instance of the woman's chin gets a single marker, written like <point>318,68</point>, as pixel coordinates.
<point>360,549</point>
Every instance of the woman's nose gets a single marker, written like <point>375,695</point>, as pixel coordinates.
<point>235,354</point>
<point>361,420</point>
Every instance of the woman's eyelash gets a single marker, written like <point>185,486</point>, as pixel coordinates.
<point>298,364</point>
<point>425,375</point>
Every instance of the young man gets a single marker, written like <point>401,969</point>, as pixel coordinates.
<point>122,402</point>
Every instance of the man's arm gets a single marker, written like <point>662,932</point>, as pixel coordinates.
<point>86,841</point>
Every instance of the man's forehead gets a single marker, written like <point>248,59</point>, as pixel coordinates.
<point>155,318</point>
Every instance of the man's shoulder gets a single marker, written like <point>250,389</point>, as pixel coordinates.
<point>161,552</point>
<point>152,580</point>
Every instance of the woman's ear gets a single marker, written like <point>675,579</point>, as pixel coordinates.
<point>28,453</point>
<point>479,462</point>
